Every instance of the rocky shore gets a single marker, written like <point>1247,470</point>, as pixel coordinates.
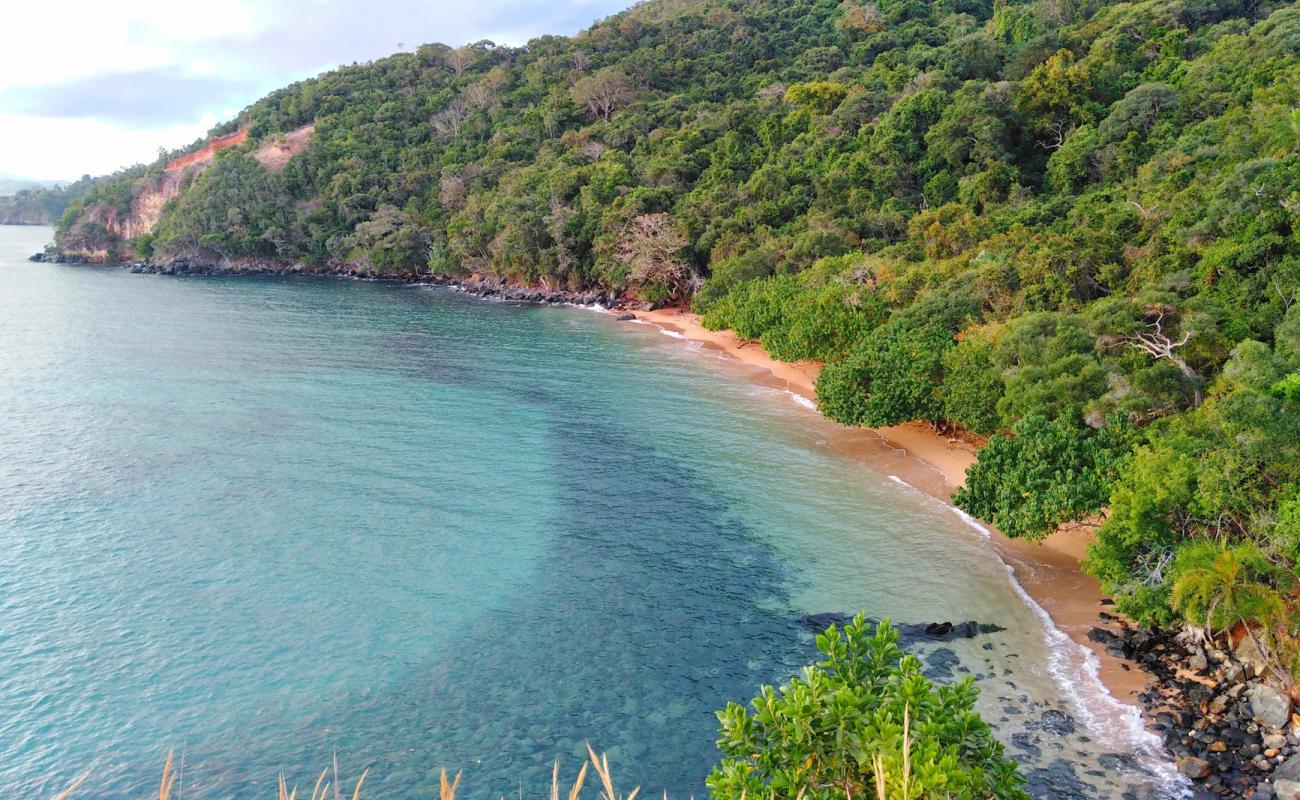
<point>490,289</point>
<point>1230,727</point>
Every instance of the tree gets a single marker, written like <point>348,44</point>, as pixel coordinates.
<point>863,723</point>
<point>392,240</point>
<point>1054,93</point>
<point>972,384</point>
<point>1157,344</point>
<point>1043,474</point>
<point>1218,587</point>
<point>821,97</point>
<point>448,121</point>
<point>864,17</point>
<point>649,247</point>
<point>604,92</point>
<point>893,375</point>
<point>460,59</point>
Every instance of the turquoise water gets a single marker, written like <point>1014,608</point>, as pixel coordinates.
<point>264,521</point>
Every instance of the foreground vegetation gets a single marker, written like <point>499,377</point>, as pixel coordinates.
<point>1067,225</point>
<point>862,723</point>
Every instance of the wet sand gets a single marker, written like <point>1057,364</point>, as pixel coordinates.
<point>937,464</point>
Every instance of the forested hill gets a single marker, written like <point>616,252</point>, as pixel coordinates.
<point>1069,225</point>
<point>39,204</point>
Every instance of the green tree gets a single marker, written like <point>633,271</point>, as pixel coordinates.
<point>1043,474</point>
<point>893,375</point>
<point>820,97</point>
<point>1217,587</point>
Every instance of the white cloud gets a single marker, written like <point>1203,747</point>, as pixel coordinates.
<point>76,59</point>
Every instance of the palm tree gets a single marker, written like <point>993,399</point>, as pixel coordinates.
<point>1227,586</point>
<point>1288,131</point>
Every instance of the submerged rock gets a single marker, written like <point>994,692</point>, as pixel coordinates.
<point>907,632</point>
<point>1057,722</point>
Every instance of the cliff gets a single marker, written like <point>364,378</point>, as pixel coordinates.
<point>106,228</point>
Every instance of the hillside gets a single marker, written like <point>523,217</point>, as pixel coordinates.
<point>32,203</point>
<point>1070,226</point>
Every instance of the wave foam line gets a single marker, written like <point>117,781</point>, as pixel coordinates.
<point>971,521</point>
<point>801,400</point>
<point>673,334</point>
<point>1092,702</point>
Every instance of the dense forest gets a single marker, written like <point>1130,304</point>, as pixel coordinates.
<point>1069,226</point>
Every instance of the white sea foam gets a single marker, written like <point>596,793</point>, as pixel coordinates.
<point>1077,672</point>
<point>673,334</point>
<point>971,521</point>
<point>799,399</point>
<point>597,307</point>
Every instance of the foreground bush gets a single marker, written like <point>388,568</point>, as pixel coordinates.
<point>863,723</point>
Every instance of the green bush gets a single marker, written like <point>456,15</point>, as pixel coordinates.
<point>1044,473</point>
<point>863,723</point>
<point>972,385</point>
<point>893,375</point>
<point>823,323</point>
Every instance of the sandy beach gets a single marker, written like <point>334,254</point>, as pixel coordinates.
<point>935,464</point>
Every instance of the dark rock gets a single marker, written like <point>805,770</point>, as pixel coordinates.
<point>626,316</point>
<point>1057,722</point>
<point>1101,636</point>
<point>941,665</point>
<point>1289,770</point>
<point>822,621</point>
<point>1024,741</point>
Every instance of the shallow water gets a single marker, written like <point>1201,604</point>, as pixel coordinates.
<point>262,521</point>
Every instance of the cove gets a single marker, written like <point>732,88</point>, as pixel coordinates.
<point>264,521</point>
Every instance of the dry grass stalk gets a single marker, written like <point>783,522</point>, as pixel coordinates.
<point>878,763</point>
<point>168,779</point>
<point>446,790</point>
<point>607,784</point>
<point>322,787</point>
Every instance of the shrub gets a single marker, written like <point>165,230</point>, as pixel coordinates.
<point>1047,472</point>
<point>863,723</point>
<point>891,376</point>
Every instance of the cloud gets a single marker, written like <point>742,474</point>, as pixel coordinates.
<point>157,70</point>
<point>142,98</point>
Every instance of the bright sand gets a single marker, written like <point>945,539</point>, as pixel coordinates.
<point>1048,570</point>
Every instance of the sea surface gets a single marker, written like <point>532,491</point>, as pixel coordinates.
<point>264,522</point>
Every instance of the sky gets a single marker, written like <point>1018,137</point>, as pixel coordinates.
<point>88,86</point>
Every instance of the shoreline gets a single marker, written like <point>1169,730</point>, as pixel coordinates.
<point>936,465</point>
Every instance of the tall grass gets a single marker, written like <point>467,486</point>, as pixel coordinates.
<point>328,786</point>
